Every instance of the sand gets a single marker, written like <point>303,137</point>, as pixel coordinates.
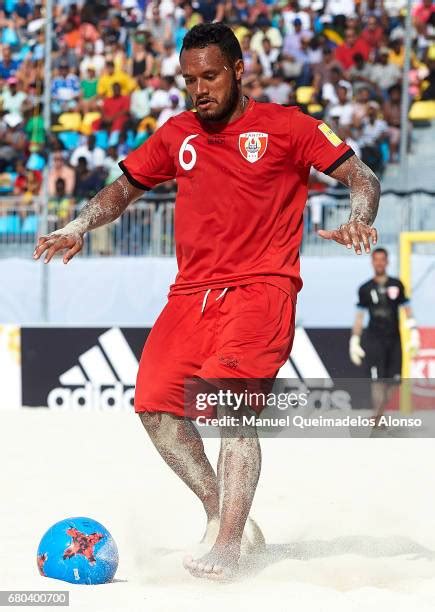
<point>350,523</point>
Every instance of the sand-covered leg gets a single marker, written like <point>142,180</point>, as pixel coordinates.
<point>239,467</point>
<point>180,445</point>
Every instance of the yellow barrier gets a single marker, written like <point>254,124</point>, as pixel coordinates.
<point>407,240</point>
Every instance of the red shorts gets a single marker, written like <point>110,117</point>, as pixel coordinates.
<point>243,332</point>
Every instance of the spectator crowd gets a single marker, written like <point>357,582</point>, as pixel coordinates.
<point>116,79</point>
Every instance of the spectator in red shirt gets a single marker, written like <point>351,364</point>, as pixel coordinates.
<point>345,52</point>
<point>422,13</point>
<point>116,109</point>
<point>20,181</point>
<point>27,184</point>
<point>373,34</point>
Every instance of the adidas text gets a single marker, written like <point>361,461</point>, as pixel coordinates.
<point>115,397</point>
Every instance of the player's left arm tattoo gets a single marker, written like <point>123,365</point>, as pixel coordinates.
<point>364,201</point>
<point>365,189</point>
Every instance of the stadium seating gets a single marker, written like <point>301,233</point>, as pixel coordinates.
<point>10,225</point>
<point>422,110</point>
<point>30,225</point>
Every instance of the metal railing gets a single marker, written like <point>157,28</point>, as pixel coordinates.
<point>398,211</point>
<point>147,227</point>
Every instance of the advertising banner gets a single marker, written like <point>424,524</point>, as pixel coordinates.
<point>80,367</point>
<point>95,368</point>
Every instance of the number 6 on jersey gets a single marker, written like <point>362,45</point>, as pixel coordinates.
<point>187,148</point>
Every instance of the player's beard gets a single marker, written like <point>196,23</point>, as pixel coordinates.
<point>228,105</point>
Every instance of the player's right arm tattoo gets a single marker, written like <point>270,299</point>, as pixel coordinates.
<point>106,206</point>
<point>364,188</point>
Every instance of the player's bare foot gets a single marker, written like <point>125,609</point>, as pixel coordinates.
<point>219,564</point>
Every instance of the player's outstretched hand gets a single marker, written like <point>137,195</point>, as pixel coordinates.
<point>59,241</point>
<point>352,234</point>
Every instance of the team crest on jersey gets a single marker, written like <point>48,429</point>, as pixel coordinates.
<point>393,292</point>
<point>253,145</point>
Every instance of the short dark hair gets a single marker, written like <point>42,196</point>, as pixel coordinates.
<point>394,87</point>
<point>380,250</point>
<point>206,34</point>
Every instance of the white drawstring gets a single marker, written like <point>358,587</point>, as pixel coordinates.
<point>222,294</point>
<point>204,301</point>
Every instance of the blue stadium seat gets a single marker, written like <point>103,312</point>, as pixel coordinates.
<point>10,224</point>
<point>70,140</point>
<point>385,151</point>
<point>30,225</point>
<point>102,139</point>
<point>114,139</point>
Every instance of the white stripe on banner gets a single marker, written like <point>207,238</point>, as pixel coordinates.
<point>120,355</point>
<point>96,367</point>
<point>73,377</point>
<point>306,358</point>
<point>287,371</point>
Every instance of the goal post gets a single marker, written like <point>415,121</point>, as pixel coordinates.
<point>407,241</point>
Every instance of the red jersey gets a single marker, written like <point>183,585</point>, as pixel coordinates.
<point>373,38</point>
<point>242,189</point>
<point>116,108</point>
<point>423,13</point>
<point>344,54</point>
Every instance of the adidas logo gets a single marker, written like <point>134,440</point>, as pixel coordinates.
<point>104,377</point>
<point>305,371</point>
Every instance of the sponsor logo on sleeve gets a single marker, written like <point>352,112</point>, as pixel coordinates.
<point>330,135</point>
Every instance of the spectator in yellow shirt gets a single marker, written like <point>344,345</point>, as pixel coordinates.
<point>111,76</point>
<point>397,54</point>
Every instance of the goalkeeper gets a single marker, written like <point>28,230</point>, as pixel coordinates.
<point>380,350</point>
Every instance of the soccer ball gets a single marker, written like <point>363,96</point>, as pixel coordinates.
<point>78,550</point>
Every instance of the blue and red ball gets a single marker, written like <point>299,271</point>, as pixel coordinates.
<point>78,550</point>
